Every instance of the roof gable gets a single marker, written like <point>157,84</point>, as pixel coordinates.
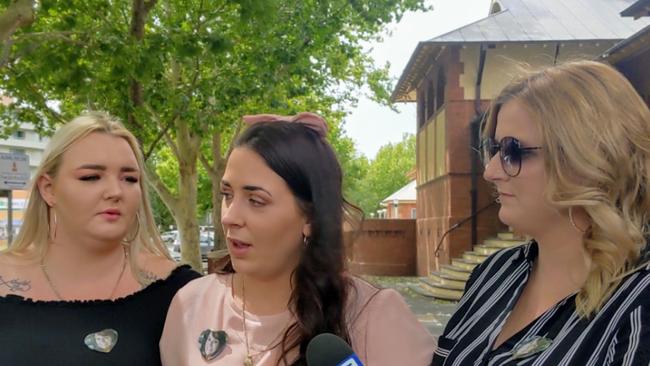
<point>526,21</point>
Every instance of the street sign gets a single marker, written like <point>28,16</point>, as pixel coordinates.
<point>14,171</point>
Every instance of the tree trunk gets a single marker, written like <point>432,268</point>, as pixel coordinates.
<point>186,219</point>
<point>184,207</point>
<point>186,212</point>
<point>139,12</point>
<point>215,176</point>
<point>19,13</point>
<point>219,237</point>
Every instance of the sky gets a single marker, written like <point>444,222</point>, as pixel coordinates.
<point>371,125</point>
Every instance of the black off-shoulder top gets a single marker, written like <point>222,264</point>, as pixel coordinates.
<point>52,333</point>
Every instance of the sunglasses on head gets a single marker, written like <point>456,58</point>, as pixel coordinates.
<point>510,152</point>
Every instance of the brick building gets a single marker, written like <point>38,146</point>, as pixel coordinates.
<point>453,77</point>
<point>401,204</point>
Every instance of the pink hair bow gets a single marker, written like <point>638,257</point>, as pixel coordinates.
<point>311,120</point>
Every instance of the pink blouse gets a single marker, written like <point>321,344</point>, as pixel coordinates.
<point>382,328</point>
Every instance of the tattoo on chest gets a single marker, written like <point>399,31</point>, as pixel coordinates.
<point>148,278</point>
<point>16,285</point>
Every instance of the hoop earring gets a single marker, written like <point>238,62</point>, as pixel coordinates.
<point>573,223</point>
<point>137,230</point>
<point>52,232</point>
<point>305,241</point>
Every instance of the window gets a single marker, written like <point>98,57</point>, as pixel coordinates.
<point>421,111</point>
<point>414,213</point>
<point>430,100</point>
<point>441,83</point>
<point>17,151</point>
<point>19,135</point>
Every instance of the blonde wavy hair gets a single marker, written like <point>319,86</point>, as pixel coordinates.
<point>596,141</point>
<point>33,239</point>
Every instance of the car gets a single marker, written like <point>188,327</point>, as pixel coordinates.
<point>205,244</point>
<point>169,237</point>
<point>174,254</point>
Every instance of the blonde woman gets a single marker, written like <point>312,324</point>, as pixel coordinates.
<point>87,280</point>
<point>568,150</point>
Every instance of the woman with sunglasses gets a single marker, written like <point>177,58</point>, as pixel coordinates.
<point>568,151</point>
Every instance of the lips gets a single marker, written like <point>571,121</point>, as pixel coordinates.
<point>504,197</point>
<point>111,214</point>
<point>238,248</point>
<point>239,243</point>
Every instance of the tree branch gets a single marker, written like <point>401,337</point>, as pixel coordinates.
<point>172,145</point>
<point>139,14</point>
<point>19,13</point>
<point>5,52</point>
<point>149,4</point>
<point>164,129</point>
<point>234,137</point>
<point>206,165</point>
<point>48,36</point>
<point>198,21</point>
<point>42,104</point>
<point>168,198</point>
<point>218,159</point>
<point>40,38</point>
<point>155,142</point>
<point>175,77</point>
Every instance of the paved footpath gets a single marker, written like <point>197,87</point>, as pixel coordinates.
<point>433,314</point>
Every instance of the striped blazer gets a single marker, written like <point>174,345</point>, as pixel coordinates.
<point>619,334</point>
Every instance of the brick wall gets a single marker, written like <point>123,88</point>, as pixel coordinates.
<point>403,210</point>
<point>382,247</point>
<point>446,200</point>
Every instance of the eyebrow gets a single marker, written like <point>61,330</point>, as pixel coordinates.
<point>247,187</point>
<point>128,169</point>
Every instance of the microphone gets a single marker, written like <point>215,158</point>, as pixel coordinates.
<point>329,350</point>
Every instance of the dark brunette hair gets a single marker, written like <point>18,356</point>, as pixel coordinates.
<point>309,166</point>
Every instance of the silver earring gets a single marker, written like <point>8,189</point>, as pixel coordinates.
<point>137,229</point>
<point>305,240</point>
<point>573,223</point>
<point>52,232</point>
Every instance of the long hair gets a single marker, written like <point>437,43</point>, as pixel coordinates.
<point>596,141</point>
<point>320,288</point>
<point>33,238</point>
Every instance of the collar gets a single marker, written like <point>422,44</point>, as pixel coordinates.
<point>528,252</point>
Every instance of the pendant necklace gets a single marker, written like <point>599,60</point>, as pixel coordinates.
<point>104,340</point>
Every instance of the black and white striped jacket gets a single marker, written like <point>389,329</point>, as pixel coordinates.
<point>619,334</point>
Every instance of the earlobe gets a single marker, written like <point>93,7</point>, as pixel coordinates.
<point>306,230</point>
<point>45,188</point>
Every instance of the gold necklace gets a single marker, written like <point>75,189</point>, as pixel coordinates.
<point>58,295</point>
<point>248,361</point>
